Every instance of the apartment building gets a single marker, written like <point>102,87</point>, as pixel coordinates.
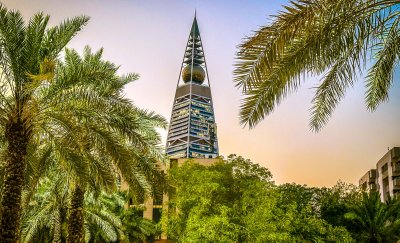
<point>386,177</point>
<point>368,181</point>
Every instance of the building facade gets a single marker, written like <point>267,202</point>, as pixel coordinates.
<point>368,181</point>
<point>193,132</point>
<point>386,177</point>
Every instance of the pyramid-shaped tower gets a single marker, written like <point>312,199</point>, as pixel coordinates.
<point>192,131</point>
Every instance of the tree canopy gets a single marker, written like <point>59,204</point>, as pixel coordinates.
<point>235,200</point>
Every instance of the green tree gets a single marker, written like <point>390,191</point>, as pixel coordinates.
<point>92,146</point>
<point>203,201</point>
<point>298,217</point>
<point>378,222</point>
<point>235,200</point>
<point>26,50</point>
<point>106,218</point>
<point>135,227</point>
<point>335,202</point>
<point>245,169</point>
<point>332,38</point>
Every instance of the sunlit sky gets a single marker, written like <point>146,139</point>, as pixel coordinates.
<point>149,37</point>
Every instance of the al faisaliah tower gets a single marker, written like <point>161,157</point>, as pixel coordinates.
<point>192,131</point>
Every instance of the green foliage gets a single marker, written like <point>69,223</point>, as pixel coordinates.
<point>90,143</point>
<point>135,227</point>
<point>244,169</point>
<point>70,114</point>
<point>202,195</point>
<point>27,51</point>
<point>334,204</point>
<point>290,213</point>
<point>59,103</point>
<point>378,222</point>
<point>235,200</point>
<point>105,219</point>
<point>329,38</point>
<point>95,149</point>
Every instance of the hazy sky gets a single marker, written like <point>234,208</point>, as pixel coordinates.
<point>149,37</point>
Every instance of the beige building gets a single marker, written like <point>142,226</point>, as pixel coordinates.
<point>386,177</point>
<point>368,181</point>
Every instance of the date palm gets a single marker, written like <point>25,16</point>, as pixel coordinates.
<point>47,205</point>
<point>26,49</point>
<point>105,220</point>
<point>331,38</point>
<point>95,133</point>
<point>378,222</point>
<point>46,213</point>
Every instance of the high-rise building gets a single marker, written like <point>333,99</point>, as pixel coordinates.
<point>192,131</point>
<point>386,177</point>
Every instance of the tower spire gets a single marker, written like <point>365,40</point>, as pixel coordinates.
<point>193,66</point>
<point>192,132</point>
<point>194,53</point>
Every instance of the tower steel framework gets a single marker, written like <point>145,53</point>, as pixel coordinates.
<point>192,131</point>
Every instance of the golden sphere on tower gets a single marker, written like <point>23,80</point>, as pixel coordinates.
<point>198,74</point>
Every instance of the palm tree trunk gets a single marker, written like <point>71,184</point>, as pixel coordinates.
<point>75,219</point>
<point>17,139</point>
<point>57,227</point>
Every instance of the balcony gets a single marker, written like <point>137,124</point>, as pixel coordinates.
<point>396,169</point>
<point>372,174</point>
<point>395,153</point>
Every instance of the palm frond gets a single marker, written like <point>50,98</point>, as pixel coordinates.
<point>333,88</point>
<point>35,32</point>
<point>108,232</point>
<point>308,38</point>
<point>56,38</point>
<point>380,76</point>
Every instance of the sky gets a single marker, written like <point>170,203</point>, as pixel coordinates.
<point>149,37</point>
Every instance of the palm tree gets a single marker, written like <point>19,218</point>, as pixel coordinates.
<point>26,49</point>
<point>46,213</point>
<point>93,146</point>
<point>332,38</point>
<point>106,218</point>
<point>378,222</point>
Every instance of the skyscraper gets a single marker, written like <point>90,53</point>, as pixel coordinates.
<point>192,131</point>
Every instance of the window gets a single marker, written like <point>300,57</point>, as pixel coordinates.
<point>157,214</point>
